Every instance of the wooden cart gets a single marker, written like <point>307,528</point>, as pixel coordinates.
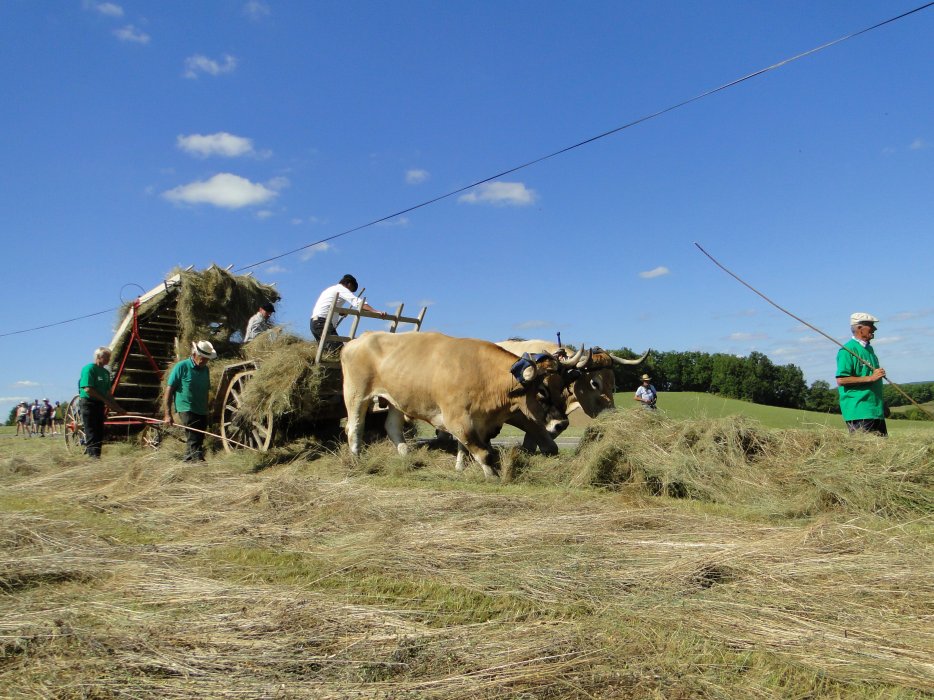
<point>147,345</point>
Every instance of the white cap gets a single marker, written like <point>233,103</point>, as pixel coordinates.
<point>860,317</point>
<point>204,349</point>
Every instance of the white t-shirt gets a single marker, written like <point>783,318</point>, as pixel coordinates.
<point>323,305</point>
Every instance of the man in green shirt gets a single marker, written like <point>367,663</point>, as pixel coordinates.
<point>859,378</point>
<point>189,385</point>
<point>93,399</point>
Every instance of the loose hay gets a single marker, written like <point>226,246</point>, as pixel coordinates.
<point>137,577</point>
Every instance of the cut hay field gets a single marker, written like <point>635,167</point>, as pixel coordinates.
<point>702,557</point>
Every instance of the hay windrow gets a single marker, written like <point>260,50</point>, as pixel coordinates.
<point>734,460</point>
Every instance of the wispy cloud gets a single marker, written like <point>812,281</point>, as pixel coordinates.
<point>197,64</point>
<point>275,269</point>
<point>256,10</point>
<point>912,315</point>
<point>108,9</point>
<point>659,271</point>
<point>219,144</point>
<point>13,399</point>
<point>309,253</point>
<point>224,190</point>
<point>25,382</point>
<point>745,337</point>
<point>416,176</point>
<point>500,194</point>
<point>265,214</point>
<point>919,144</point>
<point>131,34</point>
<point>887,340</point>
<point>533,323</point>
<point>398,221</point>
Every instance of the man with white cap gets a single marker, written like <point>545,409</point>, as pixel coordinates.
<point>859,378</point>
<point>188,388</point>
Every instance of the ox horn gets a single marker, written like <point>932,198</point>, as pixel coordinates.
<point>621,361</point>
<point>572,361</point>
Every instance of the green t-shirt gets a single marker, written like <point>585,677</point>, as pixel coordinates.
<point>191,385</point>
<point>96,377</point>
<point>859,401</point>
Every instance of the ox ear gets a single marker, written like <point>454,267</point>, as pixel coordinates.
<point>529,373</point>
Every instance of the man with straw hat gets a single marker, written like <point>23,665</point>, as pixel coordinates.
<point>646,393</point>
<point>859,378</point>
<point>188,389</point>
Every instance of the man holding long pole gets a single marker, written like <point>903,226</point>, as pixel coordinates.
<point>188,388</point>
<point>859,377</point>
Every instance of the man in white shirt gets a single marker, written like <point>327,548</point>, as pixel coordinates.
<point>344,291</point>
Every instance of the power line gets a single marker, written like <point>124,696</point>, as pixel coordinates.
<point>543,158</point>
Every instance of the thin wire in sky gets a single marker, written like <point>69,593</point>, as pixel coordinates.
<point>554,154</point>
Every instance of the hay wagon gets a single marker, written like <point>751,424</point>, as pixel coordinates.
<point>156,330</point>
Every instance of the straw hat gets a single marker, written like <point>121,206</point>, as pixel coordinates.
<point>646,378</point>
<point>204,349</point>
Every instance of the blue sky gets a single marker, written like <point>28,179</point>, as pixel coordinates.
<point>137,136</point>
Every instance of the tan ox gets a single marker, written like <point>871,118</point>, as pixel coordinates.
<point>591,392</point>
<point>460,385</point>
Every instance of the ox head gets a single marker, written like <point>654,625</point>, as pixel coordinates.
<point>592,390</point>
<point>544,380</point>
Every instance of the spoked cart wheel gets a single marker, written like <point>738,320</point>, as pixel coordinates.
<point>255,433</point>
<point>74,426</point>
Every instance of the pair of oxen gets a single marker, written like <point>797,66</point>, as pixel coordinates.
<point>471,388</point>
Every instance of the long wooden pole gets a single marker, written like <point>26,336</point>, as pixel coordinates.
<point>196,430</point>
<point>813,328</point>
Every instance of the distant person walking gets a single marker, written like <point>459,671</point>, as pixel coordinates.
<point>344,291</point>
<point>58,418</point>
<point>22,418</point>
<point>93,399</point>
<point>189,385</point>
<point>45,417</point>
<point>646,393</point>
<point>259,322</point>
<point>859,378</point>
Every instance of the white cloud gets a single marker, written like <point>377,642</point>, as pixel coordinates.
<point>254,9</point>
<point>534,323</point>
<point>105,8</point>
<point>918,144</point>
<point>500,194</point>
<point>13,399</point>
<point>25,382</point>
<point>416,176</point>
<point>912,315</point>
<point>278,183</point>
<point>223,190</point>
<point>659,271</point>
<point>309,253</point>
<point>131,34</point>
<point>888,340</point>
<point>202,64</point>
<point>264,214</point>
<point>275,269</point>
<point>219,144</point>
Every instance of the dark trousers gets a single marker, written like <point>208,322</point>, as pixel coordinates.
<point>92,416</point>
<point>868,425</point>
<point>194,441</point>
<point>317,330</point>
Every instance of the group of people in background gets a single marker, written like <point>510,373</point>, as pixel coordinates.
<point>39,418</point>
<point>859,378</point>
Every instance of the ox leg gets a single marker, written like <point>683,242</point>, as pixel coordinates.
<point>356,415</point>
<point>395,423</point>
